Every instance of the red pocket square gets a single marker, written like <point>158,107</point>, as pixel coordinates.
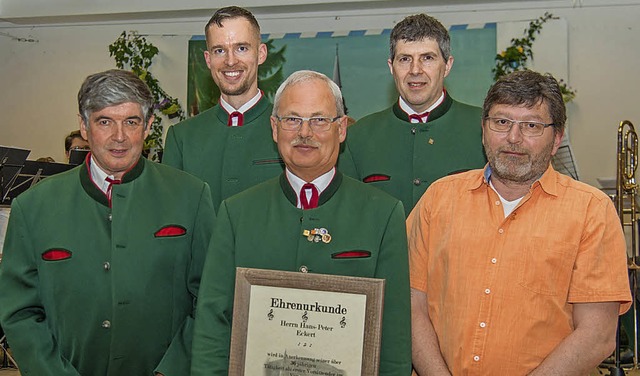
<point>56,254</point>
<point>376,177</point>
<point>351,254</point>
<point>170,231</point>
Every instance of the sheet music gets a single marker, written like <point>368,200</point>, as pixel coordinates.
<point>564,161</point>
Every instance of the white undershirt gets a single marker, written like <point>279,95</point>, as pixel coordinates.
<point>507,206</point>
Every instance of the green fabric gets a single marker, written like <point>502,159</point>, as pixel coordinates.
<point>414,155</point>
<point>229,159</point>
<point>262,228</point>
<point>53,311</point>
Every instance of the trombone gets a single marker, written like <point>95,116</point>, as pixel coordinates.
<point>626,187</point>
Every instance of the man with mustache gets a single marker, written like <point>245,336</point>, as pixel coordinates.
<point>360,229</point>
<point>426,134</point>
<point>516,269</point>
<point>101,263</point>
<point>229,145</point>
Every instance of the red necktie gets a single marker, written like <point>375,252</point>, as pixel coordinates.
<point>419,117</point>
<point>238,115</point>
<point>306,202</point>
<point>111,182</point>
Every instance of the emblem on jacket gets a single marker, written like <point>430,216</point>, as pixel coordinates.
<point>317,234</point>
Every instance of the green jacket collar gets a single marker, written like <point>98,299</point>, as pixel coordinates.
<point>249,116</point>
<point>95,192</point>
<point>290,194</point>
<point>433,115</point>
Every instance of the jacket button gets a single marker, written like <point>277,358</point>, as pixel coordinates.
<point>106,324</point>
<point>109,217</point>
<point>416,181</point>
<point>304,269</point>
<point>107,266</point>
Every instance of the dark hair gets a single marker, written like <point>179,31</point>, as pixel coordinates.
<point>69,139</point>
<point>111,88</point>
<point>231,12</point>
<point>419,27</point>
<point>528,88</point>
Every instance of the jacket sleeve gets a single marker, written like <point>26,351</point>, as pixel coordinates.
<point>393,266</point>
<point>212,334</point>
<point>172,154</point>
<point>177,359</point>
<point>22,314</point>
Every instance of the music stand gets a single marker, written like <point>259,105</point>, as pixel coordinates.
<point>11,161</point>
<point>32,173</point>
<point>77,156</point>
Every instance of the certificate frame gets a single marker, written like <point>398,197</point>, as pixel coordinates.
<point>293,282</point>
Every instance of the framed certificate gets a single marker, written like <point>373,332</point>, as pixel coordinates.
<point>289,323</point>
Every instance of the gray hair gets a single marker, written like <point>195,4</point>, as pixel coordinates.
<point>111,88</point>
<point>528,88</point>
<point>307,75</point>
<point>419,27</point>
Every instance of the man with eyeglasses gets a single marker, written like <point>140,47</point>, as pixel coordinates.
<point>74,141</point>
<point>425,134</point>
<point>101,263</point>
<point>309,219</point>
<point>516,269</point>
<point>228,146</point>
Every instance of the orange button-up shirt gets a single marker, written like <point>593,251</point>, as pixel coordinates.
<point>500,290</point>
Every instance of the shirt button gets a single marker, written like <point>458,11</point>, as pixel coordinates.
<point>483,324</point>
<point>501,231</point>
<point>106,265</point>
<point>416,181</point>
<point>498,203</point>
<point>476,358</point>
<point>487,291</point>
<point>494,260</point>
<point>304,269</point>
<point>106,324</point>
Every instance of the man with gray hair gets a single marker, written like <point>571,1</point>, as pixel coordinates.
<point>361,230</point>
<point>426,134</point>
<point>101,263</point>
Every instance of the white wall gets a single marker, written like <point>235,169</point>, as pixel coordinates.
<point>39,80</point>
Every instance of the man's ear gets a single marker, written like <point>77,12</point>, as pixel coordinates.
<point>274,128</point>
<point>262,53</point>
<point>448,66</point>
<point>342,128</point>
<point>148,127</point>
<point>83,128</point>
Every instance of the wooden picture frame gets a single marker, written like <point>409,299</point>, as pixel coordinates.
<point>304,323</point>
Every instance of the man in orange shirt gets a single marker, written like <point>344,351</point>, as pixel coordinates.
<point>515,268</point>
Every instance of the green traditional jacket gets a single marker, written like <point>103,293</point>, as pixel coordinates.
<point>387,151</point>
<point>92,290</point>
<point>263,228</point>
<point>229,159</point>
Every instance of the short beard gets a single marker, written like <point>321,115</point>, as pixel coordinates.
<point>507,169</point>
<point>243,88</point>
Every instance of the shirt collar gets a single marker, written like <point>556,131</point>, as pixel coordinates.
<point>229,108</point>
<point>98,176</point>
<point>410,111</point>
<point>321,182</point>
<point>548,180</point>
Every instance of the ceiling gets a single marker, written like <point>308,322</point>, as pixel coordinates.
<point>34,12</point>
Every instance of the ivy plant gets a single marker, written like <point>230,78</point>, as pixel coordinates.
<point>132,51</point>
<point>516,56</point>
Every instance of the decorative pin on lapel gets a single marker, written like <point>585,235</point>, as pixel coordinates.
<point>431,141</point>
<point>317,234</point>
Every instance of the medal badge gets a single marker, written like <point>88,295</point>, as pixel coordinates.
<point>317,235</point>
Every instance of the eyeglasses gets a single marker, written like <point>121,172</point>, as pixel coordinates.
<point>82,148</point>
<point>528,128</point>
<point>316,123</point>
